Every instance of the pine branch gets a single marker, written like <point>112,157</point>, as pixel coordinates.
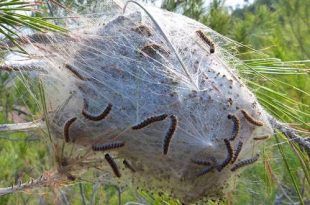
<point>289,133</point>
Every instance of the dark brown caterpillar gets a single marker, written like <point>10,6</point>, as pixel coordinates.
<point>150,49</point>
<point>143,30</point>
<point>99,117</point>
<point>208,41</point>
<point>107,146</point>
<point>75,72</point>
<point>251,119</point>
<point>244,163</point>
<point>66,128</point>
<point>201,162</point>
<point>129,166</point>
<point>237,152</point>
<point>261,138</point>
<point>113,165</point>
<point>71,177</point>
<point>170,133</point>
<point>229,156</point>
<point>205,171</point>
<point>149,120</point>
<point>236,127</point>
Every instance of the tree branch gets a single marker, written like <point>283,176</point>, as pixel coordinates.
<point>27,126</point>
<point>46,180</point>
<point>23,68</point>
<point>289,133</point>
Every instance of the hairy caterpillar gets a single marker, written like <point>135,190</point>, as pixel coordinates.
<point>237,152</point>
<point>229,156</point>
<point>66,128</point>
<point>261,138</point>
<point>205,171</point>
<point>169,134</point>
<point>107,146</point>
<point>244,163</point>
<point>128,165</point>
<point>251,119</point>
<point>143,30</point>
<point>208,41</point>
<point>236,127</point>
<point>113,165</point>
<point>99,117</point>
<point>74,71</point>
<point>201,162</point>
<point>149,120</point>
<point>150,49</point>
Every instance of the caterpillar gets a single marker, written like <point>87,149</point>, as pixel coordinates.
<point>237,152</point>
<point>261,138</point>
<point>251,119</point>
<point>99,117</point>
<point>170,133</point>
<point>113,165</point>
<point>149,120</point>
<point>128,166</point>
<point>201,162</point>
<point>236,127</point>
<point>208,41</point>
<point>205,171</point>
<point>150,49</point>
<point>71,177</point>
<point>66,128</point>
<point>143,30</point>
<point>229,156</point>
<point>244,163</point>
<point>107,146</point>
<point>74,71</point>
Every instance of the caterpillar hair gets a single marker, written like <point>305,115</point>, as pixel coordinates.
<point>74,71</point>
<point>149,120</point>
<point>66,128</point>
<point>229,156</point>
<point>107,146</point>
<point>170,133</point>
<point>208,41</point>
<point>261,138</point>
<point>245,162</point>
<point>113,165</point>
<point>236,127</point>
<point>128,166</point>
<point>251,119</point>
<point>237,152</point>
<point>201,162</point>
<point>99,117</point>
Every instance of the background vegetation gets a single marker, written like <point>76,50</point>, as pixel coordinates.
<point>278,30</point>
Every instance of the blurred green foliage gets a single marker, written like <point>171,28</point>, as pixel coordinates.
<point>279,28</point>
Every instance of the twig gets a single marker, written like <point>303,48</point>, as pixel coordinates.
<point>44,38</point>
<point>43,181</point>
<point>23,68</point>
<point>289,133</point>
<point>26,126</point>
